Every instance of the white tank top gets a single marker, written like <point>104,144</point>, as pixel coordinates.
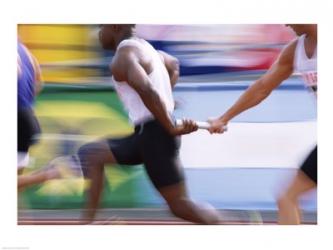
<point>160,80</point>
<point>307,67</point>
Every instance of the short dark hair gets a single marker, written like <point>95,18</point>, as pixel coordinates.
<point>132,25</point>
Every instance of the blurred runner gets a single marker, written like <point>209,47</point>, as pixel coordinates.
<point>143,79</point>
<point>29,84</point>
<point>299,56</point>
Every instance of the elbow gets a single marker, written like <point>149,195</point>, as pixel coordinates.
<point>174,72</point>
<point>173,65</point>
<point>176,64</point>
<point>174,77</point>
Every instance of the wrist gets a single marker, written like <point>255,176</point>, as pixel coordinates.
<point>171,126</point>
<point>224,119</point>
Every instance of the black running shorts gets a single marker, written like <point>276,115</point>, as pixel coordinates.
<point>153,146</point>
<point>309,166</point>
<point>27,128</point>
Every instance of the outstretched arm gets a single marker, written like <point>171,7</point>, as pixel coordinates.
<point>260,90</point>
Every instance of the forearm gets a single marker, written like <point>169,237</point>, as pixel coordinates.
<point>32,179</point>
<point>157,107</point>
<point>250,98</point>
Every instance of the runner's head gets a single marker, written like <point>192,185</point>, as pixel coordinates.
<point>301,29</point>
<point>111,34</point>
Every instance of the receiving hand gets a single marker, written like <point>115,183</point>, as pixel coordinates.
<point>217,126</point>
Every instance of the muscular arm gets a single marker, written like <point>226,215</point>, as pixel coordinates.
<point>128,67</point>
<point>261,89</point>
<point>172,65</point>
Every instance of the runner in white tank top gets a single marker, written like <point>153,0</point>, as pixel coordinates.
<point>143,80</point>
<point>304,65</point>
<point>159,78</point>
<point>298,56</point>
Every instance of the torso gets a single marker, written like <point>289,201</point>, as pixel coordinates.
<point>305,62</point>
<point>158,75</point>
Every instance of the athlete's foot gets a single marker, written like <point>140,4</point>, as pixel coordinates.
<point>209,214</point>
<point>200,213</point>
<point>88,216</point>
<point>288,212</point>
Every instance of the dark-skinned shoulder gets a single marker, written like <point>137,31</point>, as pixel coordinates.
<point>124,58</point>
